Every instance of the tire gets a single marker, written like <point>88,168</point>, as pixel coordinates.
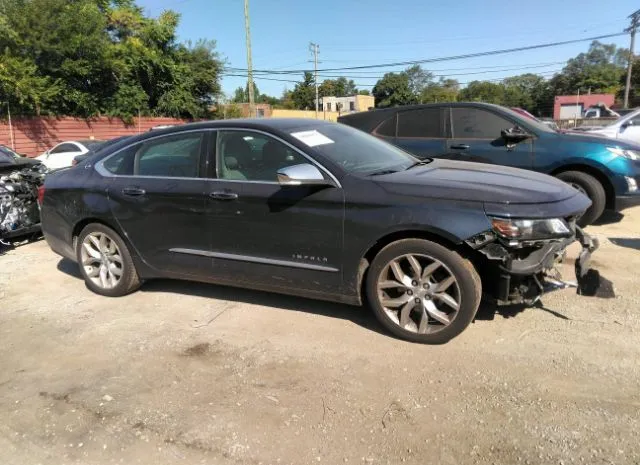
<point>592,188</point>
<point>114,252</point>
<point>437,265</point>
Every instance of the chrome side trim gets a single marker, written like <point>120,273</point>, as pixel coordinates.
<point>248,258</point>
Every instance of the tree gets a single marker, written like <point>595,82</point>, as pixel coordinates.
<point>393,90</point>
<point>364,92</point>
<point>419,79</point>
<point>340,87</point>
<point>446,90</point>
<point>483,91</point>
<point>600,70</point>
<point>91,57</point>
<point>303,94</point>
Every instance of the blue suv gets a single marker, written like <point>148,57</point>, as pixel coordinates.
<point>606,170</point>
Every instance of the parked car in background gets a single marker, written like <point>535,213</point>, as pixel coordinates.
<point>62,155</point>
<point>95,149</point>
<point>626,128</point>
<point>315,209</point>
<point>606,170</point>
<point>10,160</point>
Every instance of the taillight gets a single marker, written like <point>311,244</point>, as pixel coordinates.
<point>40,195</point>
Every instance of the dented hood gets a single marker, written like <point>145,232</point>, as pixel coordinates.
<point>447,179</point>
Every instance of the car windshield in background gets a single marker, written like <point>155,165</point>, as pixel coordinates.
<point>4,150</point>
<point>92,144</point>
<point>6,158</point>
<point>355,151</point>
<point>537,124</point>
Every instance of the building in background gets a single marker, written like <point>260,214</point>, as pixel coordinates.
<point>574,106</point>
<point>349,104</point>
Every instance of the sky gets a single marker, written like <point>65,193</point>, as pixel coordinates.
<point>355,33</point>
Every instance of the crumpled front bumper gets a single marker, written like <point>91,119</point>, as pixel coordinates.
<point>523,278</point>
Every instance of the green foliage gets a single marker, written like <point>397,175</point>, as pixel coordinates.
<point>393,90</point>
<point>364,92</point>
<point>340,87</point>
<point>446,90</point>
<point>303,95</point>
<point>419,80</point>
<point>91,57</point>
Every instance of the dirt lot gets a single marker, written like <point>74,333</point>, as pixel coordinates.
<point>192,373</point>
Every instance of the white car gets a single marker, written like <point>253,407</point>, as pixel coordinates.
<point>626,128</point>
<point>62,155</point>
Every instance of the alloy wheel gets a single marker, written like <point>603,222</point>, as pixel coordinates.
<point>419,293</point>
<point>101,260</point>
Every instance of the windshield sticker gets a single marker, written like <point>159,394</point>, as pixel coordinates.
<point>312,138</point>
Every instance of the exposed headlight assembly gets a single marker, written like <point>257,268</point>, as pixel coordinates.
<point>530,230</point>
<point>630,154</point>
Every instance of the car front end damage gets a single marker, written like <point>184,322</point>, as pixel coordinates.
<point>519,262</point>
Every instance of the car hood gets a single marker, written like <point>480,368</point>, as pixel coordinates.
<point>479,182</point>
<point>600,136</point>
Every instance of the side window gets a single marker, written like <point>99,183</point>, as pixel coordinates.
<point>62,148</point>
<point>387,128</point>
<point>474,123</point>
<point>172,156</point>
<point>252,156</point>
<point>426,122</point>
<point>636,121</point>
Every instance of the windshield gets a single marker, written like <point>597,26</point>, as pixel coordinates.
<point>355,151</point>
<point>8,152</point>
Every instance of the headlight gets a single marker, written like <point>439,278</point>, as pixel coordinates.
<point>528,230</point>
<point>630,154</point>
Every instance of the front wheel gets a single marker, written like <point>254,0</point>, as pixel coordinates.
<point>105,261</point>
<point>590,187</point>
<point>423,292</point>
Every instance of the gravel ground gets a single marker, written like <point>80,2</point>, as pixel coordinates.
<point>191,373</point>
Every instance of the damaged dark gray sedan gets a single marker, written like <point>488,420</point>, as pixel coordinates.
<point>319,210</point>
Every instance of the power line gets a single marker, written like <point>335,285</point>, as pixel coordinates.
<point>450,58</point>
<point>379,76</point>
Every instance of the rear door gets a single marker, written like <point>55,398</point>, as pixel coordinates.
<point>476,136</point>
<point>422,132</point>
<point>157,194</point>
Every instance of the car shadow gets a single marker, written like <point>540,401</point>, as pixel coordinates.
<point>69,268</point>
<point>608,217</point>
<point>628,242</point>
<point>488,311</point>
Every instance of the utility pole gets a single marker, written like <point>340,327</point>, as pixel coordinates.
<point>249,62</point>
<point>315,49</point>
<point>13,142</point>
<point>635,20</point>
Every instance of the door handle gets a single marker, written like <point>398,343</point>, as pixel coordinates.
<point>460,147</point>
<point>223,195</point>
<point>133,191</point>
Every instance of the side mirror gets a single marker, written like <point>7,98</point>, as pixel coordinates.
<point>302,175</point>
<point>514,135</point>
<point>626,124</point>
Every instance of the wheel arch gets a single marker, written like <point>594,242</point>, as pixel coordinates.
<point>439,237</point>
<point>602,178</point>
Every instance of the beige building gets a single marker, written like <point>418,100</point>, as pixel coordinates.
<point>349,104</point>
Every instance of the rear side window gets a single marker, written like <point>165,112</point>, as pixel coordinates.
<point>474,123</point>
<point>171,156</point>
<point>63,148</point>
<point>387,128</point>
<point>426,122</point>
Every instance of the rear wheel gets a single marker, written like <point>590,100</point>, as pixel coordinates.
<point>423,292</point>
<point>590,187</point>
<point>105,261</point>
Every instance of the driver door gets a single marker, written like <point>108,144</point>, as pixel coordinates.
<point>268,234</point>
<point>476,137</point>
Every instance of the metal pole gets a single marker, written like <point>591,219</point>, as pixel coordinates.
<point>314,49</point>
<point>13,143</point>
<point>249,62</point>
<point>577,107</point>
<point>632,29</point>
